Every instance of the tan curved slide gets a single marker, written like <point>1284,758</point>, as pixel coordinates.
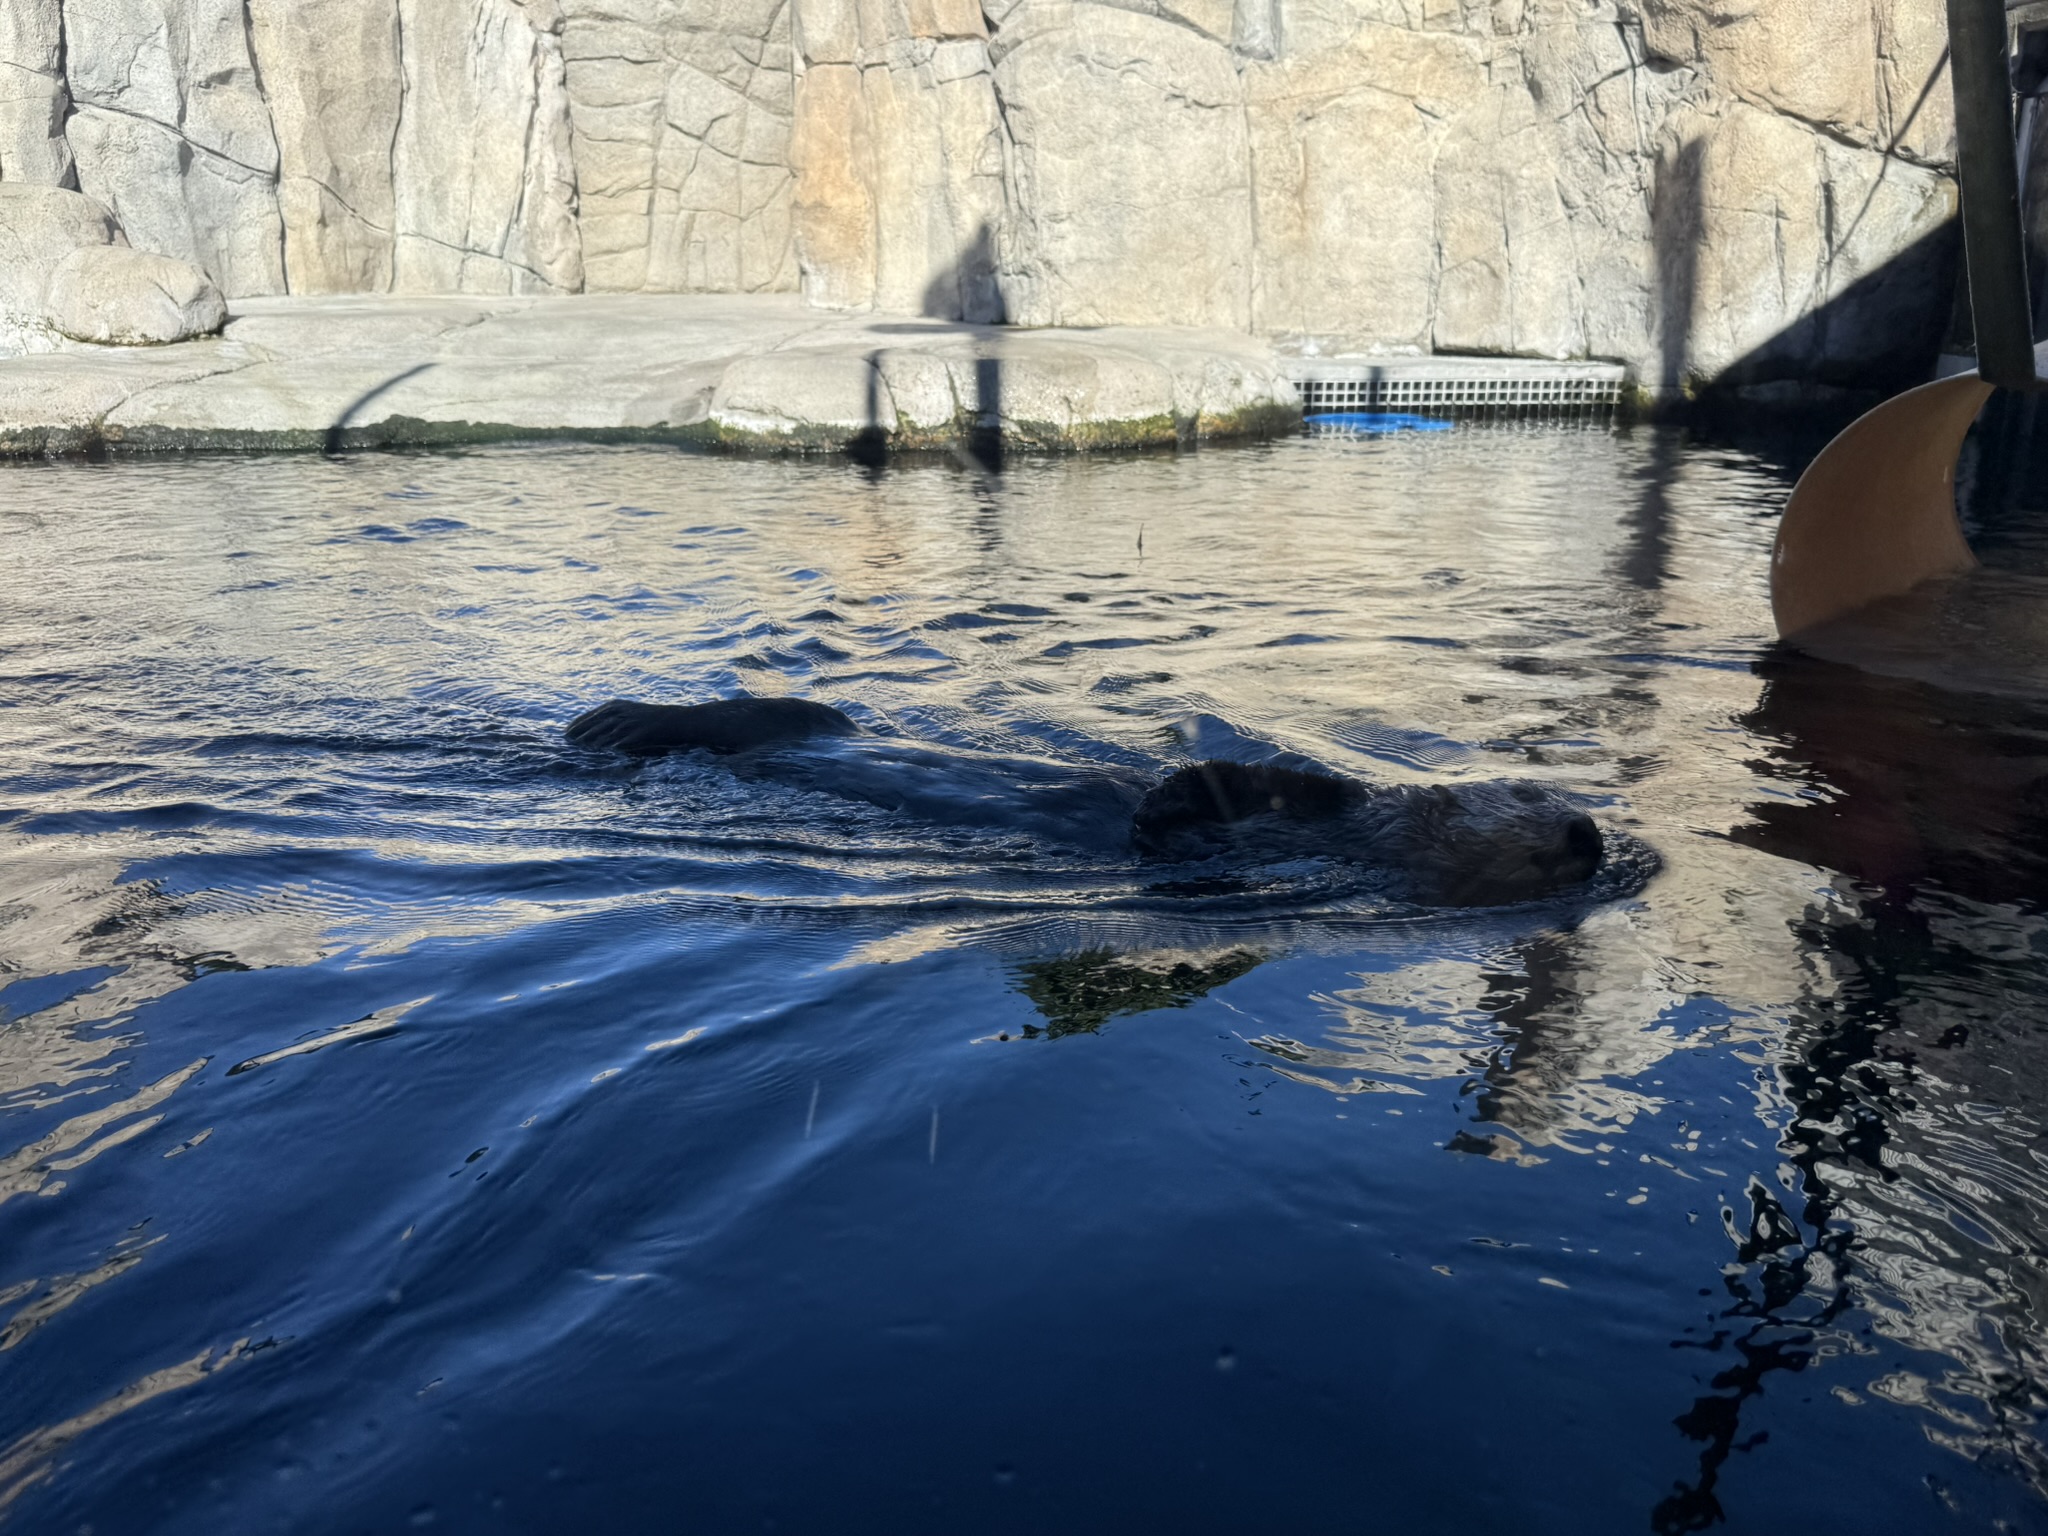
<point>1875,514</point>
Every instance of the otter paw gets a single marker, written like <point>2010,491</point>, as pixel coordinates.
<point>619,725</point>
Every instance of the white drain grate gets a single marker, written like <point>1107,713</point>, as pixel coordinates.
<point>1438,386</point>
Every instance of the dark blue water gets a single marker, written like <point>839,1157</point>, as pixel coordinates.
<point>408,1121</point>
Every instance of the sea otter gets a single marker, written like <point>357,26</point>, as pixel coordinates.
<point>1483,844</point>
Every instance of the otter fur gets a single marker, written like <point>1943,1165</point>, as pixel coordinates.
<point>1481,844</point>
<point>723,725</point>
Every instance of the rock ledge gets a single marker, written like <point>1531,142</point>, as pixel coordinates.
<point>758,373</point>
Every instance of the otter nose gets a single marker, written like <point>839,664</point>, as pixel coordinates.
<point>1578,851</point>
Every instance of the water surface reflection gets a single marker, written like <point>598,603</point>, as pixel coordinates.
<point>404,1119</point>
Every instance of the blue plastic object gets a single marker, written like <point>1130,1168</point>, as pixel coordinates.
<point>1378,421</point>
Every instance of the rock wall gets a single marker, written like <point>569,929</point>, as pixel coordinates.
<point>679,114</point>
<point>423,146</point>
<point>1681,184</point>
<point>1687,185</point>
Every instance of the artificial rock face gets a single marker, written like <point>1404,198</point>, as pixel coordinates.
<point>33,97</point>
<point>1690,186</point>
<point>39,227</point>
<point>119,296</point>
<point>424,146</point>
<point>332,73</point>
<point>170,129</point>
<point>1130,148</point>
<point>680,115</point>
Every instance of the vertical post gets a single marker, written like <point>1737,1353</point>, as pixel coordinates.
<point>1988,170</point>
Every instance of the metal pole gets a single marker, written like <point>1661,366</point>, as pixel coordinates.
<point>1988,170</point>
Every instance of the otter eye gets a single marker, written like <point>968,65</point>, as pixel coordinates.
<point>1279,802</point>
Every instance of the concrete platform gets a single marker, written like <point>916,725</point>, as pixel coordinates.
<point>749,372</point>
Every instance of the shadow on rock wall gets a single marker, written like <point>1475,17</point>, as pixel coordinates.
<point>963,298</point>
<point>1876,335</point>
<point>1881,334</point>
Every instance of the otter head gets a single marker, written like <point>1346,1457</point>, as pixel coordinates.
<point>1465,845</point>
<point>1479,845</point>
<point>1243,810</point>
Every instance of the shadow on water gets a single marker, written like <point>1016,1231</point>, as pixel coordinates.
<point>1791,1289</point>
<point>1919,730</point>
<point>1868,1066</point>
<point>1646,556</point>
<point>1532,1007</point>
<point>1916,784</point>
<point>1931,802</point>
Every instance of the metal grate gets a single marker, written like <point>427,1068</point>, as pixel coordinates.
<point>1436,386</point>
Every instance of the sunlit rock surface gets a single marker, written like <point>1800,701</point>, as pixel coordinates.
<point>680,115</point>
<point>1131,170</point>
<point>170,129</point>
<point>118,296</point>
<point>741,371</point>
<point>1702,191</point>
<point>901,158</point>
<point>33,96</point>
<point>39,227</point>
<point>331,71</point>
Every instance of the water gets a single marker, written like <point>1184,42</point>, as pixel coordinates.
<point>407,1121</point>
